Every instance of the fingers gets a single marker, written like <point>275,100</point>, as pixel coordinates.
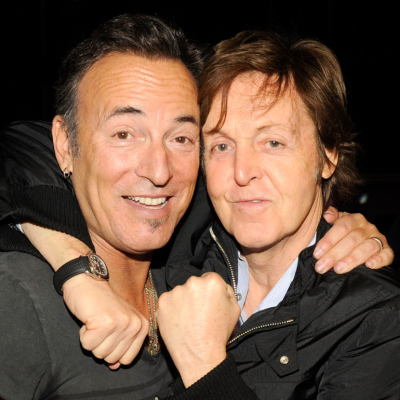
<point>342,227</point>
<point>113,342</point>
<point>112,329</point>
<point>383,258</point>
<point>196,320</point>
<point>217,280</point>
<point>341,249</point>
<point>331,215</point>
<point>349,244</point>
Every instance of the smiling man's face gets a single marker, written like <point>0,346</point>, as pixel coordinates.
<point>138,150</point>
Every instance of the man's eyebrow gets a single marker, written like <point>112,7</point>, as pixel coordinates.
<point>124,110</point>
<point>215,130</point>
<point>188,118</point>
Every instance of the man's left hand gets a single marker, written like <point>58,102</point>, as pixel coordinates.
<point>196,321</point>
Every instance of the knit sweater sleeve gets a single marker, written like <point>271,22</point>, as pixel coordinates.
<point>222,383</point>
<point>32,186</point>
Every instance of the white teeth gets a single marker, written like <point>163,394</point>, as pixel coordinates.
<point>255,201</point>
<point>149,201</point>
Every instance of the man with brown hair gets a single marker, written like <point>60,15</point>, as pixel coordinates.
<point>278,145</point>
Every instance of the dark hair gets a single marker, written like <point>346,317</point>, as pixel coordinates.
<point>313,70</point>
<point>142,35</point>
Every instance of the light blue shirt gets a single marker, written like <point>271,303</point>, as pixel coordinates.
<point>275,296</point>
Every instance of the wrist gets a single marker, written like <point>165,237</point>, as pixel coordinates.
<point>90,265</point>
<point>192,371</point>
<point>80,282</point>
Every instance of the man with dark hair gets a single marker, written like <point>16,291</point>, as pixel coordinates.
<point>127,136</point>
<point>127,133</point>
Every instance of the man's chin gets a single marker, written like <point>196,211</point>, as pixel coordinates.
<point>156,224</point>
<point>152,235</point>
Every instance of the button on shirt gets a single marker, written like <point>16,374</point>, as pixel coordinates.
<point>275,296</point>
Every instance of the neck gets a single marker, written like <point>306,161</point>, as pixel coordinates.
<point>266,267</point>
<point>128,272</point>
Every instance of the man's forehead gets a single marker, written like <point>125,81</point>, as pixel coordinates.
<point>119,81</point>
<point>130,67</point>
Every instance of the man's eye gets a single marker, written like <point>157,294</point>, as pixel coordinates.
<point>274,144</point>
<point>181,140</point>
<point>123,135</point>
<point>222,147</point>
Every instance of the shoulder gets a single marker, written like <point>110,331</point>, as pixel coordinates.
<point>331,300</point>
<point>26,270</point>
<point>24,353</point>
<point>27,282</point>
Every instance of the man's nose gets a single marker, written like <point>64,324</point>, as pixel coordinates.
<point>156,166</point>
<point>246,166</point>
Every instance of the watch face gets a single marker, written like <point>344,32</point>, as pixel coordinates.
<point>98,266</point>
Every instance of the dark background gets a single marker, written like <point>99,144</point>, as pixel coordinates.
<point>365,36</point>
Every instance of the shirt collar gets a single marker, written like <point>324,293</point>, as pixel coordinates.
<point>275,296</point>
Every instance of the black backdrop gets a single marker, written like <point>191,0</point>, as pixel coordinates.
<point>365,36</point>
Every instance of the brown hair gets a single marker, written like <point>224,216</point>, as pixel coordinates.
<point>314,71</point>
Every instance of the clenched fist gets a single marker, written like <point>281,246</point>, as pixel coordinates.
<point>196,321</point>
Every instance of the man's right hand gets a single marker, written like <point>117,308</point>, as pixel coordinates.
<point>112,329</point>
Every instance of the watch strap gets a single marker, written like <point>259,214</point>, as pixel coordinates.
<point>69,270</point>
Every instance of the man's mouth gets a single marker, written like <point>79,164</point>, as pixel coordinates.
<point>152,202</point>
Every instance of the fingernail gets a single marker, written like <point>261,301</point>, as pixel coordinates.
<point>328,212</point>
<point>371,264</point>
<point>318,252</point>
<point>340,266</point>
<point>321,266</point>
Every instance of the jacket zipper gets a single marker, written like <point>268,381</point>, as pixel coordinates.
<point>226,259</point>
<point>260,327</point>
<point>235,291</point>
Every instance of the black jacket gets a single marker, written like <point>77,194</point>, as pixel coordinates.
<point>332,337</point>
<point>339,333</point>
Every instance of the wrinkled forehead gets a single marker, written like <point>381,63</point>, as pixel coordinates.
<point>125,80</point>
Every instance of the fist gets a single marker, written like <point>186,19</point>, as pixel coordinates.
<point>196,321</point>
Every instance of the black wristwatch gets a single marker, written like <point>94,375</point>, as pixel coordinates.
<point>92,265</point>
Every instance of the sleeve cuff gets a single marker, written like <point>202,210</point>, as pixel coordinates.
<point>222,383</point>
<point>52,207</point>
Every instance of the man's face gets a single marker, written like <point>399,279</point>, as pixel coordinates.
<point>139,150</point>
<point>261,166</point>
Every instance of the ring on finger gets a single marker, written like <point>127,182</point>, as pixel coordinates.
<point>379,241</point>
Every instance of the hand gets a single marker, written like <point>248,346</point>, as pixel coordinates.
<point>196,321</point>
<point>112,329</point>
<point>348,244</point>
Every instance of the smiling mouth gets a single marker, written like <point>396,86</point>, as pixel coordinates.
<point>150,202</point>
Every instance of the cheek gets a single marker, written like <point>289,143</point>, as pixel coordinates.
<point>185,168</point>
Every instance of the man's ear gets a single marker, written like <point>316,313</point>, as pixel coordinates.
<point>61,145</point>
<point>329,167</point>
